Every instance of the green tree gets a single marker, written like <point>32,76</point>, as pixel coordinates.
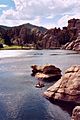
<point>1,41</point>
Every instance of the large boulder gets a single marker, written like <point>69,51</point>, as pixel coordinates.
<point>76,113</point>
<point>67,88</point>
<point>46,71</point>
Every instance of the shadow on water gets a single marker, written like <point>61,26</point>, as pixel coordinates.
<point>33,109</point>
<point>64,54</point>
<point>39,110</point>
<point>52,79</point>
<point>66,106</point>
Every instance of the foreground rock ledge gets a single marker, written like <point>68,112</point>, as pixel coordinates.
<point>67,88</point>
<point>46,71</point>
<point>76,113</point>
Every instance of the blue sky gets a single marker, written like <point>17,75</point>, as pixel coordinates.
<point>47,13</point>
<point>6,4</point>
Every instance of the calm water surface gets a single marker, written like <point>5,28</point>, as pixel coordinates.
<point>19,99</point>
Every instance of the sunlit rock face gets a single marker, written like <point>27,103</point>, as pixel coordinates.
<point>76,113</point>
<point>67,88</point>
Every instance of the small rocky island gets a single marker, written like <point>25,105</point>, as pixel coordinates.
<point>46,72</point>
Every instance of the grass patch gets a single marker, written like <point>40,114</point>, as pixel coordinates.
<point>15,47</point>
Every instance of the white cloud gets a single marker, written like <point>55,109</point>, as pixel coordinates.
<point>50,16</point>
<point>64,20</point>
<point>49,25</point>
<point>39,11</point>
<point>3,6</point>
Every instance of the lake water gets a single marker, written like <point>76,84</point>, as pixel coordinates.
<point>19,99</point>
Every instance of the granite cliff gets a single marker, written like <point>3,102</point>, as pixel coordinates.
<point>42,38</point>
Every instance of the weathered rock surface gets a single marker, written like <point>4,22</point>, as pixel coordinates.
<point>46,71</point>
<point>76,113</point>
<point>74,45</point>
<point>67,88</point>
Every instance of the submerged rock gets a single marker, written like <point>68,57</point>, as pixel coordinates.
<point>39,85</point>
<point>67,88</point>
<point>76,113</point>
<point>46,71</point>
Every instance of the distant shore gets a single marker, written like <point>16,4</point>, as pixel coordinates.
<point>15,47</point>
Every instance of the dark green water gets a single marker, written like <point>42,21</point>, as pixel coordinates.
<point>19,99</point>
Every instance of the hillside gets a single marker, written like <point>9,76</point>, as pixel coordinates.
<point>40,37</point>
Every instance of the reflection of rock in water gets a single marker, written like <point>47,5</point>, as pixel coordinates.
<point>64,54</point>
<point>38,53</point>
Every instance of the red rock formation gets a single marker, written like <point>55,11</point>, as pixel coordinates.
<point>74,45</point>
<point>67,88</point>
<point>71,23</point>
<point>41,37</point>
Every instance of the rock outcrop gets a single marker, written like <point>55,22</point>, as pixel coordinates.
<point>41,38</point>
<point>74,45</point>
<point>76,113</point>
<point>22,34</point>
<point>67,88</point>
<point>46,72</point>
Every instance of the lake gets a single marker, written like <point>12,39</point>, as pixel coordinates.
<point>19,98</point>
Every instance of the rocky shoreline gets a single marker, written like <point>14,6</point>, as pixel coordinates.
<point>67,89</point>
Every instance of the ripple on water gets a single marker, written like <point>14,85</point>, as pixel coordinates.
<point>19,99</point>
